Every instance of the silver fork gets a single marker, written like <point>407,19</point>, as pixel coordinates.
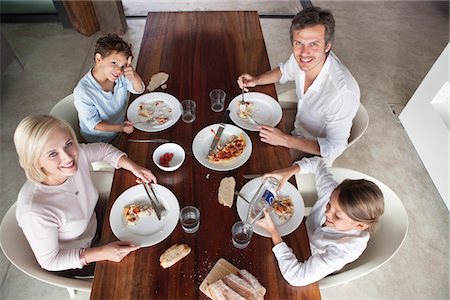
<point>161,208</point>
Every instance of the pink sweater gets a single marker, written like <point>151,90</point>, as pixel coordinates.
<point>60,220</point>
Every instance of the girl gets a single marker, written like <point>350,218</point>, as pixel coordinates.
<point>338,226</point>
<point>55,206</point>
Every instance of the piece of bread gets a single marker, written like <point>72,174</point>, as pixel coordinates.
<point>173,255</point>
<point>220,291</point>
<point>157,80</point>
<point>241,286</point>
<point>246,275</point>
<point>226,191</point>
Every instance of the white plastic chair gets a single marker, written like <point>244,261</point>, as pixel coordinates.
<point>65,109</point>
<point>383,243</point>
<point>288,100</point>
<point>16,248</point>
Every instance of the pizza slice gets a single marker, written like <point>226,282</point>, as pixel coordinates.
<point>230,150</point>
<point>283,207</point>
<point>133,212</point>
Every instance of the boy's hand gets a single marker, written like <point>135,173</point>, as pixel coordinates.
<point>127,127</point>
<point>128,70</point>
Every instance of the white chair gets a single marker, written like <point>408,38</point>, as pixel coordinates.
<point>65,109</point>
<point>288,100</point>
<point>383,243</point>
<point>16,248</point>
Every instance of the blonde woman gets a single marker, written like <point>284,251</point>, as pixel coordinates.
<point>338,226</point>
<point>55,207</point>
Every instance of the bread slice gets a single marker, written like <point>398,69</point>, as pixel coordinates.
<point>220,291</point>
<point>240,286</point>
<point>173,255</point>
<point>246,275</point>
<point>226,191</point>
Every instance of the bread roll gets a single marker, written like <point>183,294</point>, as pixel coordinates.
<point>174,254</point>
<point>240,286</point>
<point>226,191</point>
<point>260,290</point>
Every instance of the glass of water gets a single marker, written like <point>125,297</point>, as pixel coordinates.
<point>188,111</point>
<point>190,219</point>
<point>217,97</point>
<point>241,234</point>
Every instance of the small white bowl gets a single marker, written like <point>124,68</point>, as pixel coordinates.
<point>177,159</point>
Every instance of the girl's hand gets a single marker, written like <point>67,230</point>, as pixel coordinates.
<point>116,251</point>
<point>283,175</point>
<point>268,224</point>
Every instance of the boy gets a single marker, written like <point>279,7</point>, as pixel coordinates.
<point>101,96</point>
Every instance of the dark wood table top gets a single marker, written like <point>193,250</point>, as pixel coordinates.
<point>200,51</point>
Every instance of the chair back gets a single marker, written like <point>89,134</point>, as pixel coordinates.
<point>359,126</point>
<point>16,248</point>
<point>65,109</point>
<point>383,243</point>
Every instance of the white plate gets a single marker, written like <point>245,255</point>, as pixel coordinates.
<point>204,138</point>
<point>149,230</point>
<point>266,110</point>
<point>170,101</point>
<point>249,190</point>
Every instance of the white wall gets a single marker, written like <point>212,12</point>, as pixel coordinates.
<point>426,121</point>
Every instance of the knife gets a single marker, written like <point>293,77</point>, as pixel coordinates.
<point>149,141</point>
<point>152,203</point>
<point>219,132</point>
<point>252,176</point>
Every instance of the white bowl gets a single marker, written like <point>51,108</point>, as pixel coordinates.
<point>177,159</point>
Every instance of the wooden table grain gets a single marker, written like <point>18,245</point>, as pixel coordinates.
<point>200,51</point>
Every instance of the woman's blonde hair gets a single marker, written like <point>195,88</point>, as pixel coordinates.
<point>30,138</point>
<point>362,201</point>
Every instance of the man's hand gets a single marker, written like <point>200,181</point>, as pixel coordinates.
<point>272,136</point>
<point>245,81</point>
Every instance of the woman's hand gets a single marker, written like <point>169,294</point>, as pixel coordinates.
<point>115,251</point>
<point>283,175</point>
<point>142,174</point>
<point>245,81</point>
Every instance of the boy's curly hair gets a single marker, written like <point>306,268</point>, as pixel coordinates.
<point>112,43</point>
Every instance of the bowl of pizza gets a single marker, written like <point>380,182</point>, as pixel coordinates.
<point>169,156</point>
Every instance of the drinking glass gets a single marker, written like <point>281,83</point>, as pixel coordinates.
<point>217,97</point>
<point>188,111</point>
<point>241,234</point>
<point>190,219</point>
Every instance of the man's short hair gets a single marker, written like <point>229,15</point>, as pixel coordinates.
<point>111,43</point>
<point>312,16</point>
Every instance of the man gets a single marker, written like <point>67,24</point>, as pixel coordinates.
<point>328,95</point>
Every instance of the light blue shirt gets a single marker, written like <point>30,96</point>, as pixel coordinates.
<point>95,105</point>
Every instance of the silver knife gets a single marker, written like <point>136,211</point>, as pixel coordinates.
<point>152,203</point>
<point>252,176</point>
<point>149,141</point>
<point>219,132</point>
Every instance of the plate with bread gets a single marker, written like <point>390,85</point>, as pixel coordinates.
<point>257,108</point>
<point>133,218</point>
<point>225,281</point>
<point>287,210</point>
<point>233,149</point>
<point>153,112</point>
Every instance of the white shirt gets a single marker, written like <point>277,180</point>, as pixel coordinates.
<point>331,249</point>
<point>326,111</point>
<point>60,220</point>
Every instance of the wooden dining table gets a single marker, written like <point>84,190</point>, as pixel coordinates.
<point>200,51</point>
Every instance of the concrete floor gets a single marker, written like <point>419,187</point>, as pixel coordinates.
<point>388,46</point>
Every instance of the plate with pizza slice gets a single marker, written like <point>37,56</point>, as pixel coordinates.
<point>287,211</point>
<point>258,108</point>
<point>233,150</point>
<point>153,112</point>
<point>133,218</point>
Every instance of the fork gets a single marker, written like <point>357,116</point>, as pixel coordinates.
<point>161,208</point>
